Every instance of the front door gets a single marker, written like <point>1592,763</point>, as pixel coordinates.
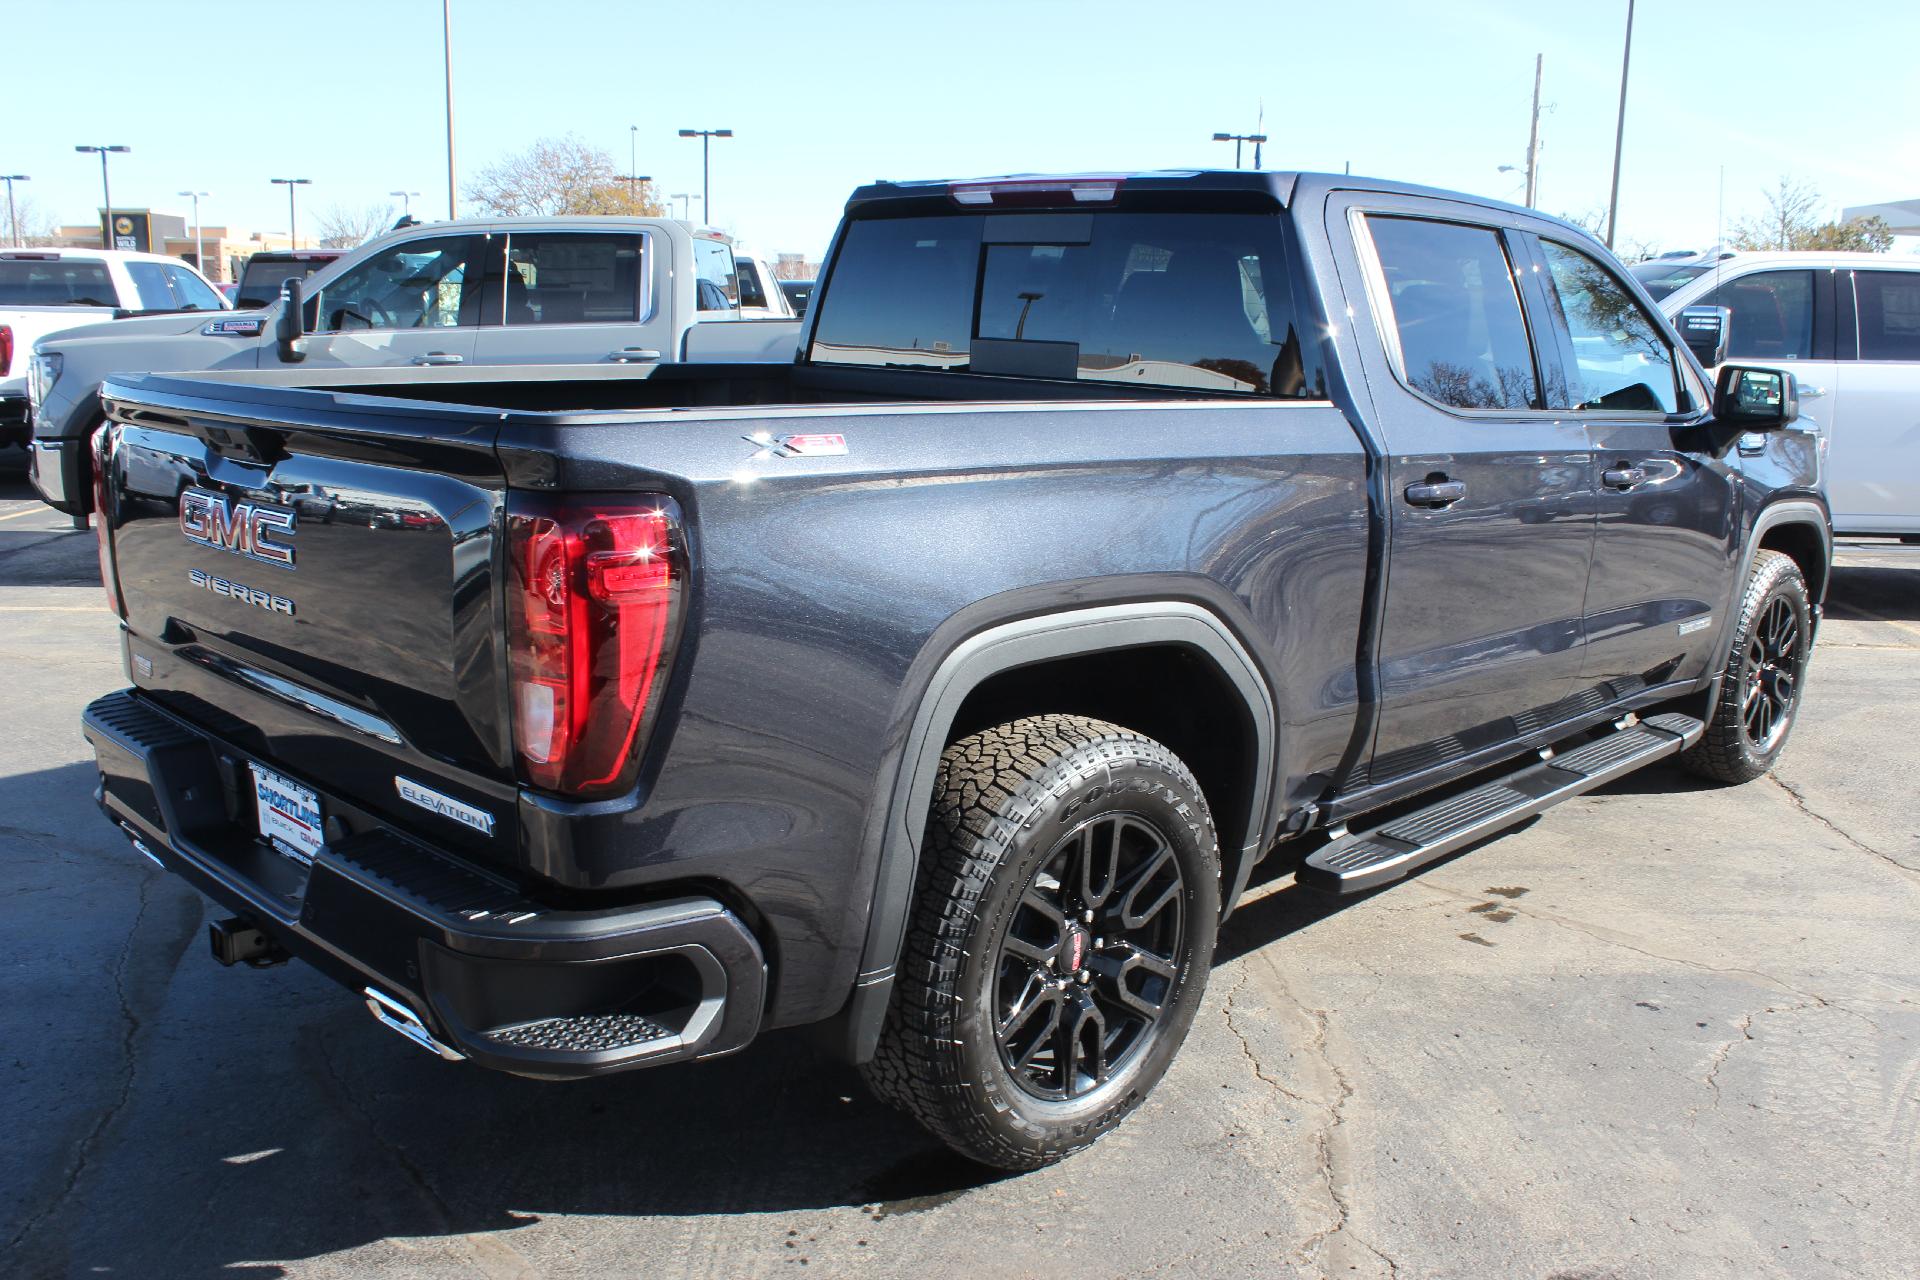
<point>416,303</point>
<point>1668,529</point>
<point>1492,513</point>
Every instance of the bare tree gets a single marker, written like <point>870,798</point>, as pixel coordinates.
<point>342,227</point>
<point>37,230</point>
<point>1792,221</point>
<point>559,176</point>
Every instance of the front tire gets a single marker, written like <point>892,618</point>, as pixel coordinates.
<point>1760,688</point>
<point>1063,925</point>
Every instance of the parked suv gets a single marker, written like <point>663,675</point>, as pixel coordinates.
<point>612,293</point>
<point>942,688</point>
<point>1847,325</point>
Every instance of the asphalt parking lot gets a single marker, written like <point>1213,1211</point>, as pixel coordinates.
<point>1666,1030</point>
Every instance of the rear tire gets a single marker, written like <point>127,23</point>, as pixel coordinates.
<point>1760,688</point>
<point>1063,925</point>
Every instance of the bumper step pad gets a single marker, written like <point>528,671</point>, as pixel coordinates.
<point>589,1033</point>
<point>1369,859</point>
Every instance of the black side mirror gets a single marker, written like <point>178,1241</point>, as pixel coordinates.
<point>1705,330</point>
<point>1748,399</point>
<point>287,328</point>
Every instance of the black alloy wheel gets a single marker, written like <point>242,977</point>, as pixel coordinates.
<point>1773,661</point>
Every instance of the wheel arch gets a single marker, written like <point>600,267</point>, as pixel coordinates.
<point>988,670</point>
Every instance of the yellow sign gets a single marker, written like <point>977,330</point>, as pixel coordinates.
<point>123,225</point>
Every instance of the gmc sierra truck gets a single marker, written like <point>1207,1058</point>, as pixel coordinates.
<point>942,687</point>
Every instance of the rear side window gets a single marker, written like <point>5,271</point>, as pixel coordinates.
<point>1191,300</point>
<point>572,278</point>
<point>715,281</point>
<point>1889,309</point>
<point>1463,339</point>
<point>1620,360</point>
<point>150,282</point>
<point>1772,315</point>
<point>55,282</point>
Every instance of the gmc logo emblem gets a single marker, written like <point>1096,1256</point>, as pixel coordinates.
<point>242,528</point>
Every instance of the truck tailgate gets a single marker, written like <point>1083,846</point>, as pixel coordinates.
<point>313,578</point>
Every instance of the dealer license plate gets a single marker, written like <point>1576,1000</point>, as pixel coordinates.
<point>289,814</point>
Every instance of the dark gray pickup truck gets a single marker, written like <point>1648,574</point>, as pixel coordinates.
<point>942,688</point>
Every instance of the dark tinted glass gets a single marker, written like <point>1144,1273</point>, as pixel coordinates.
<point>260,279</point>
<point>571,278</point>
<point>1661,278</point>
<point>1463,340</point>
<point>1168,299</point>
<point>55,282</point>
<point>1889,303</point>
<point>1772,315</point>
<point>150,282</point>
<point>751,294</point>
<point>1620,360</point>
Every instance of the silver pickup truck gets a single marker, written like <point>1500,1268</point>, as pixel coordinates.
<point>525,293</point>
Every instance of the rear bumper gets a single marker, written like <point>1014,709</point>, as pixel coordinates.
<point>16,419</point>
<point>490,974</point>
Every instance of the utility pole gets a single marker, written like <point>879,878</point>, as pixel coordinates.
<point>1236,139</point>
<point>13,218</point>
<point>290,184</point>
<point>106,192</point>
<point>706,137</point>
<point>1620,128</point>
<point>446,45</point>
<point>1533,134</point>
<point>199,247</point>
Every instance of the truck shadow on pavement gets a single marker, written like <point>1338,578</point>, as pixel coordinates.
<point>1876,592</point>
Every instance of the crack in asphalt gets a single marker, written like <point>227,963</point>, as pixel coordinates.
<point>1800,802</point>
<point>1246,1046</point>
<point>1328,1147</point>
<point>494,1258</point>
<point>130,1028</point>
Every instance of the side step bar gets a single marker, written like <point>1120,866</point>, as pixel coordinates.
<point>1356,863</point>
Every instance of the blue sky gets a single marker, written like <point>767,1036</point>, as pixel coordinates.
<point>829,95</point>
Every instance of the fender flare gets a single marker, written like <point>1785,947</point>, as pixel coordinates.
<point>1784,511</point>
<point>1006,647</point>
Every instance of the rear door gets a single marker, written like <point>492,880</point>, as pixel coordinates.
<point>576,297</point>
<point>1668,516</point>
<point>1873,463</point>
<point>414,303</point>
<point>1490,494</point>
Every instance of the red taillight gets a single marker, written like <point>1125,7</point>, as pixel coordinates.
<point>6,349</point>
<point>593,610</point>
<point>102,445</point>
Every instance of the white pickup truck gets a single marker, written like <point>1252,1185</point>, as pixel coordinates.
<point>596,296</point>
<point>1847,326</point>
<point>45,290</point>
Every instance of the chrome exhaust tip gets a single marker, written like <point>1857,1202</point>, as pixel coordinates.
<point>391,1013</point>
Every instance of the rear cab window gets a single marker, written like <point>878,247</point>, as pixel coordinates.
<point>1196,301</point>
<point>56,282</point>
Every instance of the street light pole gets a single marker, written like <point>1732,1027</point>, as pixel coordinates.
<point>633,163</point>
<point>1236,139</point>
<point>1620,127</point>
<point>199,247</point>
<point>633,181</point>
<point>406,202</point>
<point>293,240</point>
<point>106,191</point>
<point>1533,133</point>
<point>706,137</point>
<point>13,218</point>
<point>446,45</point>
<point>683,197</point>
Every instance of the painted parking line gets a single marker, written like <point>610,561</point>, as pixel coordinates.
<point>26,511</point>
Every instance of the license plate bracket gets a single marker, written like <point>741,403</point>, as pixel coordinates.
<point>288,815</point>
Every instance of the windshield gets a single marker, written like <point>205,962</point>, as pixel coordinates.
<point>55,282</point>
<point>1661,278</point>
<point>1192,300</point>
<point>261,280</point>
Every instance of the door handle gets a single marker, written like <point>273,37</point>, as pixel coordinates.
<point>1623,477</point>
<point>440,357</point>
<point>634,355</point>
<point>1436,493</point>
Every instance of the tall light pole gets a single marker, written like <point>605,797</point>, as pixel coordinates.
<point>13,219</point>
<point>290,183</point>
<point>1236,139</point>
<point>406,202</point>
<point>683,197</point>
<point>1620,127</point>
<point>706,137</point>
<point>633,163</point>
<point>446,46</point>
<point>106,192</point>
<point>199,248</point>
<point>1533,133</point>
<point>633,181</point>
